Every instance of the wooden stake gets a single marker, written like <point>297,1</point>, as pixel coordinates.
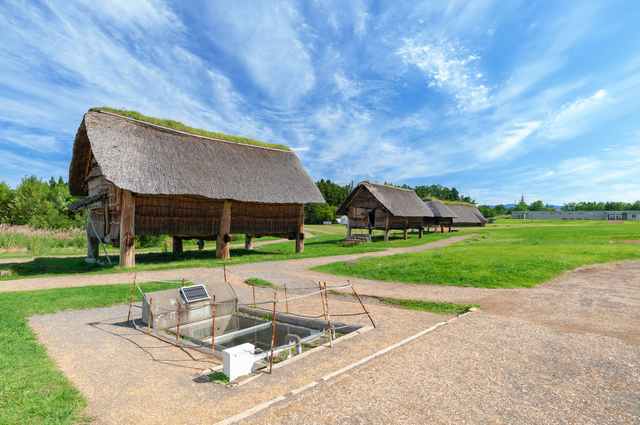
<point>328,316</point>
<point>253,284</point>
<point>286,299</point>
<point>131,302</point>
<point>224,269</point>
<point>324,310</point>
<point>183,282</point>
<point>213,329</point>
<point>273,329</point>
<point>149,317</point>
<point>362,304</point>
<point>178,330</point>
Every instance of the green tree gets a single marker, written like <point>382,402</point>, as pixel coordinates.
<point>537,206</point>
<point>6,197</point>
<point>41,205</point>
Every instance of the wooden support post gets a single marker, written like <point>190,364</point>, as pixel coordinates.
<point>224,270</point>
<point>222,240</point>
<point>131,302</point>
<point>177,245</point>
<point>127,229</point>
<point>273,329</point>
<point>326,295</point>
<point>94,249</point>
<point>449,228</point>
<point>362,304</point>
<point>420,232</point>
<point>442,228</point>
<point>286,298</point>
<point>348,231</point>
<point>213,329</point>
<point>324,309</point>
<point>386,227</point>
<point>248,242</point>
<point>149,317</point>
<point>300,232</point>
<point>178,329</point>
<point>405,234</point>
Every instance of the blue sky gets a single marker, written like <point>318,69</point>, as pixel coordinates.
<point>495,98</point>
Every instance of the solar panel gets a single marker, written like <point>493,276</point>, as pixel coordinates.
<point>194,293</point>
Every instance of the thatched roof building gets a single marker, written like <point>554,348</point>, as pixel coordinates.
<point>468,215</point>
<point>185,185</point>
<point>377,206</point>
<point>442,215</point>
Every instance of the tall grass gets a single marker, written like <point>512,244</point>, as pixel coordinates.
<point>38,241</point>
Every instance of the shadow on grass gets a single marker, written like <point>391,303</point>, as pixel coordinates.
<point>149,261</point>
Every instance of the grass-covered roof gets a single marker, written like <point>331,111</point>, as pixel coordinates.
<point>176,125</point>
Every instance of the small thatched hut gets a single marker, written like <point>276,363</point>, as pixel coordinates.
<point>146,179</point>
<point>377,206</point>
<point>442,215</point>
<point>468,215</point>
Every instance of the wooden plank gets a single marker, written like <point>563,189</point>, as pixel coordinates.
<point>222,244</point>
<point>127,229</point>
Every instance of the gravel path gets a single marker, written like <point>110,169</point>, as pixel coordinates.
<point>565,352</point>
<point>129,377</point>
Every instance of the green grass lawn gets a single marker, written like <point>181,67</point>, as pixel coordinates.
<point>430,306</point>
<point>508,258</point>
<point>318,246</point>
<point>32,388</point>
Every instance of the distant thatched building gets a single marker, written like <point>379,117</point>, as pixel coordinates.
<point>468,215</point>
<point>145,179</point>
<point>376,206</point>
<point>442,215</point>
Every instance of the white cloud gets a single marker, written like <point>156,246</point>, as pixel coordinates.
<point>269,38</point>
<point>569,120</point>
<point>449,67</point>
<point>510,139</point>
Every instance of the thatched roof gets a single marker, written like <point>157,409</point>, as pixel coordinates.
<point>149,159</point>
<point>439,209</point>
<point>466,213</point>
<point>399,202</point>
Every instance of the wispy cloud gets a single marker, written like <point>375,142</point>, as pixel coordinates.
<point>449,67</point>
<point>568,120</point>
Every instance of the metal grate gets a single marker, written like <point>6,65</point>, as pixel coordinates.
<point>194,293</point>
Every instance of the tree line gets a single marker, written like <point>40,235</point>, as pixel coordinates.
<point>38,204</point>
<point>538,205</point>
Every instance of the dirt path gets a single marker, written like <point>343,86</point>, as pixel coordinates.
<point>292,272</point>
<point>565,352</point>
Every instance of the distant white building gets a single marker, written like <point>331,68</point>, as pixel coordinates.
<point>576,215</point>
